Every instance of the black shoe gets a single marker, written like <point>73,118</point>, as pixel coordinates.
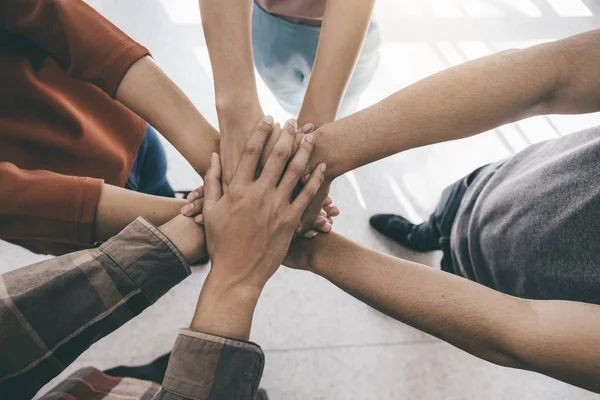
<point>394,227</point>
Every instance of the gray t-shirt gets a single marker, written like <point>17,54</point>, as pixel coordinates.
<point>529,226</point>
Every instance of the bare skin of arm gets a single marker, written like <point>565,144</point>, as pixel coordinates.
<point>150,93</point>
<point>559,77</point>
<point>554,78</point>
<point>228,34</point>
<point>345,25</point>
<point>560,339</point>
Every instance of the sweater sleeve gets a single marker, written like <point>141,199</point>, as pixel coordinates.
<point>47,206</point>
<point>82,42</point>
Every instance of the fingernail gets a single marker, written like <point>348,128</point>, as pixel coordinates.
<point>305,178</point>
<point>187,208</point>
<point>323,167</point>
<point>199,218</point>
<point>268,119</point>
<point>291,122</point>
<point>312,234</point>
<point>213,159</point>
<point>308,128</point>
<point>299,227</point>
<point>309,138</point>
<point>192,196</point>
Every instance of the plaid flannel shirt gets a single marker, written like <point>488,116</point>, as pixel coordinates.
<point>52,311</point>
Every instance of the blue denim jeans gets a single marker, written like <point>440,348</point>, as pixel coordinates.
<point>435,233</point>
<point>284,54</point>
<point>149,170</point>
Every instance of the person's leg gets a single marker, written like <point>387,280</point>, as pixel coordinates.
<point>435,232</point>
<point>149,171</point>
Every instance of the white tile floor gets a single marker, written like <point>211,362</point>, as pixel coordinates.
<point>319,342</point>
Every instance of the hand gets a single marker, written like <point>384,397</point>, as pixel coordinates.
<point>250,227</point>
<point>236,127</point>
<point>323,218</point>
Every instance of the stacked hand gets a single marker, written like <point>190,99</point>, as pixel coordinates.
<point>249,227</point>
<point>319,215</point>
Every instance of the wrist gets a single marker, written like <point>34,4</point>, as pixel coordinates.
<point>225,309</point>
<point>232,107</point>
<point>187,236</point>
<point>327,151</point>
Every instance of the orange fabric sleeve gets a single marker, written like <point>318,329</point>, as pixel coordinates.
<point>47,206</point>
<point>82,42</point>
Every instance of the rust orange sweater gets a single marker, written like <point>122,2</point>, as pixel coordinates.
<point>61,132</point>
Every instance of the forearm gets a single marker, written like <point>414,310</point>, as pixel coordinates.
<point>550,337</point>
<point>225,309</point>
<point>119,207</point>
<point>118,281</point>
<point>228,34</point>
<point>150,93</point>
<point>461,101</point>
<point>463,313</point>
<point>345,25</point>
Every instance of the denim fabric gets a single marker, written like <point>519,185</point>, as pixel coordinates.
<point>149,171</point>
<point>284,54</point>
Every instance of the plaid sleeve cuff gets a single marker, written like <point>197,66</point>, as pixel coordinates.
<point>204,366</point>
<point>148,257</point>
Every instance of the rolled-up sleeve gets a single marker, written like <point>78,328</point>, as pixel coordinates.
<point>49,206</point>
<point>204,366</point>
<point>82,42</point>
<point>52,311</point>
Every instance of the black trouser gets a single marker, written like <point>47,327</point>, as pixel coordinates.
<point>435,233</point>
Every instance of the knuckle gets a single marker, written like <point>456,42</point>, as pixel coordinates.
<point>295,169</point>
<point>281,153</point>
<point>252,150</point>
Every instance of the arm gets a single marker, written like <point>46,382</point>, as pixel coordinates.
<point>345,24</point>
<point>556,338</point>
<point>45,323</point>
<point>213,360</point>
<point>149,92</point>
<point>227,29</point>
<point>90,48</point>
<point>559,77</point>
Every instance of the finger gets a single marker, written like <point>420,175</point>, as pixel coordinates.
<point>307,128</point>
<point>252,152</point>
<point>196,194</point>
<point>333,211</point>
<point>325,228</point>
<point>327,202</point>
<point>323,213</point>
<point>212,184</point>
<point>311,234</point>
<point>270,144</point>
<point>194,208</point>
<point>319,222</point>
<point>309,191</point>
<point>296,167</point>
<point>297,141</point>
<point>279,157</point>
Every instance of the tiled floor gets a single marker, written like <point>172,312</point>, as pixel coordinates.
<point>319,342</point>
